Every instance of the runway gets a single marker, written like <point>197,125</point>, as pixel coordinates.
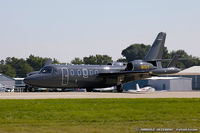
<point>56,95</point>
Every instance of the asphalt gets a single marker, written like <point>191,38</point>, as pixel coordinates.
<point>56,95</point>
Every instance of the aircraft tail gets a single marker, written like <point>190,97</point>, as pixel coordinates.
<point>156,50</point>
<point>137,87</point>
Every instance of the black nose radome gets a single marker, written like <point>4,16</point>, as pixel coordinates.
<point>27,80</point>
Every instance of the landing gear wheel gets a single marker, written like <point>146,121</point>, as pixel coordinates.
<point>30,89</point>
<point>26,88</point>
<point>119,88</point>
<point>89,89</point>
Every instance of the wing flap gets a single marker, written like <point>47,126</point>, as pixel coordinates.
<point>123,73</point>
<point>126,76</point>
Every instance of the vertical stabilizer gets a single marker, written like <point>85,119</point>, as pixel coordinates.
<point>157,47</point>
<point>137,87</point>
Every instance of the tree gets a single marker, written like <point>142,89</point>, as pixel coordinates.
<point>98,59</point>
<point>20,65</point>
<point>192,61</point>
<point>36,62</point>
<point>93,60</point>
<point>121,60</point>
<point>2,62</point>
<point>135,52</point>
<point>138,51</point>
<point>103,59</point>
<point>8,70</point>
<point>77,61</point>
<point>55,61</point>
<point>90,60</point>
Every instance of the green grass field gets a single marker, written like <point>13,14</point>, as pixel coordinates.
<point>97,115</point>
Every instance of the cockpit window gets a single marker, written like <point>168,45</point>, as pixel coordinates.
<point>46,70</point>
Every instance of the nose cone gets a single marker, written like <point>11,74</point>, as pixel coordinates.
<point>37,80</point>
<point>32,80</point>
<point>28,80</point>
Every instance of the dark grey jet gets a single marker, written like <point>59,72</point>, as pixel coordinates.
<point>102,76</point>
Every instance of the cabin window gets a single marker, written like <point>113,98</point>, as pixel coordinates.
<point>85,73</point>
<point>91,72</point>
<point>79,72</point>
<point>72,72</point>
<point>46,70</point>
<point>96,72</point>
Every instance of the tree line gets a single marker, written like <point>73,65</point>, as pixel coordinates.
<point>19,67</point>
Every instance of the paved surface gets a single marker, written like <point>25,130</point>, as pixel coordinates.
<point>53,95</point>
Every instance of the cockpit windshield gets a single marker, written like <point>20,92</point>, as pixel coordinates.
<point>46,70</point>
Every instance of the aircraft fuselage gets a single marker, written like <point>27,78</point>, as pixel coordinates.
<point>74,76</point>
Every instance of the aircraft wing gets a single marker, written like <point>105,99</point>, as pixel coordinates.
<point>126,76</point>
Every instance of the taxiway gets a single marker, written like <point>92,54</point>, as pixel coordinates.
<point>55,95</point>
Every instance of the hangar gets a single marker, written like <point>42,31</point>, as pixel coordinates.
<point>171,83</point>
<point>7,82</point>
<point>192,72</point>
<point>163,83</point>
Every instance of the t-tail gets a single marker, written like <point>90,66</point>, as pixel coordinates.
<point>156,51</point>
<point>153,59</point>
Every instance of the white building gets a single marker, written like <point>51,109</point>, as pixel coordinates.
<point>192,72</point>
<point>19,84</point>
<point>171,83</point>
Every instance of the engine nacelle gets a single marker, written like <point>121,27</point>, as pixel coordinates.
<point>139,65</point>
<point>169,70</point>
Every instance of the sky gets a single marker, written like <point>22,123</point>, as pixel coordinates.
<point>65,29</point>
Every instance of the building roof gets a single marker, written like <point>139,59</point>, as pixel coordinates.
<point>18,78</point>
<point>4,77</point>
<point>194,69</point>
<point>166,78</point>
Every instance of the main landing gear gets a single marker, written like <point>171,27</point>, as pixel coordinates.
<point>120,88</point>
<point>89,89</point>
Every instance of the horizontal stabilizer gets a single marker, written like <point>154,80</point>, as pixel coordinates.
<point>165,60</point>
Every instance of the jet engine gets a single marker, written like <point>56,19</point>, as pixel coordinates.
<point>139,65</point>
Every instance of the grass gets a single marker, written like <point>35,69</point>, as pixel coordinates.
<point>97,115</point>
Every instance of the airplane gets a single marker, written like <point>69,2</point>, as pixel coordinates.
<point>102,76</point>
<point>108,89</point>
<point>139,90</point>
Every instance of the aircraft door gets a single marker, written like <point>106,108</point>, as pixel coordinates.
<point>65,76</point>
